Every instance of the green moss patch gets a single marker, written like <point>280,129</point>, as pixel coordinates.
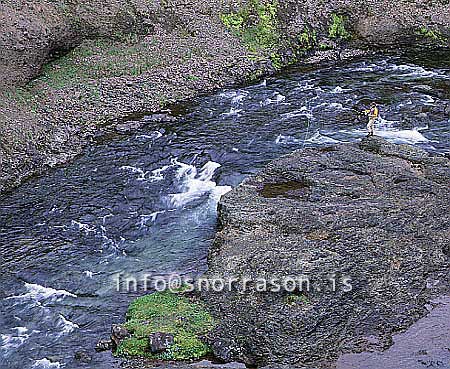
<point>98,59</point>
<point>256,24</point>
<point>435,36</point>
<point>307,39</point>
<point>294,299</point>
<point>337,28</point>
<point>170,313</point>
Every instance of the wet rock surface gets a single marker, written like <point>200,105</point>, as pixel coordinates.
<point>204,364</point>
<point>159,342</point>
<point>370,234</point>
<point>104,345</point>
<point>118,334</point>
<point>83,356</point>
<point>424,345</point>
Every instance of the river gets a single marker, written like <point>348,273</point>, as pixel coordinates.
<point>145,203</point>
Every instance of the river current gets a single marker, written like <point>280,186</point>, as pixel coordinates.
<point>145,203</point>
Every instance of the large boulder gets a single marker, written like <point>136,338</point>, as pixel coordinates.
<point>367,226</point>
<point>32,33</point>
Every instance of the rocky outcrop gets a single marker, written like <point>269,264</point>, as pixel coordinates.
<point>367,226</point>
<point>370,23</point>
<point>34,32</point>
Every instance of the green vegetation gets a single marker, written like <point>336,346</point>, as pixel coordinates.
<point>256,24</point>
<point>433,35</point>
<point>98,59</point>
<point>277,63</point>
<point>323,46</point>
<point>22,96</point>
<point>307,39</point>
<point>169,313</point>
<point>191,77</point>
<point>296,299</point>
<point>337,27</point>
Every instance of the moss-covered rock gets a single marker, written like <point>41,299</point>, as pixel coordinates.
<point>337,28</point>
<point>256,24</point>
<point>173,313</point>
<point>434,36</point>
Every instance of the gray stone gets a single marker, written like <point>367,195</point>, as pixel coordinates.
<point>160,117</point>
<point>118,334</point>
<point>375,212</point>
<point>104,345</point>
<point>83,356</point>
<point>159,342</point>
<point>129,126</point>
<point>447,109</point>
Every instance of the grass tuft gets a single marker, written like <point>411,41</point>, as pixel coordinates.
<point>431,34</point>
<point>98,59</point>
<point>169,313</point>
<point>337,27</point>
<point>295,299</point>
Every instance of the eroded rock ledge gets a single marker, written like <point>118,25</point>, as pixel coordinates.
<point>374,212</point>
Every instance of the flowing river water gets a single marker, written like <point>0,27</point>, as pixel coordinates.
<point>146,203</point>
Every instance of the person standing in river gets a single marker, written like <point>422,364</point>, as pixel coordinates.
<point>373,114</point>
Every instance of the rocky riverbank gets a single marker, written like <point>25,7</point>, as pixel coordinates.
<point>368,227</point>
<point>320,260</point>
<point>71,71</point>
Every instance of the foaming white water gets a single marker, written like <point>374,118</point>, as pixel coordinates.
<point>228,94</point>
<point>403,136</point>
<point>10,341</point>
<point>383,124</point>
<point>137,170</point>
<point>365,68</point>
<point>334,106</point>
<point>414,70</point>
<point>239,97</point>
<point>302,112</point>
<point>305,86</point>
<point>153,136</point>
<point>83,227</point>
<point>88,273</point>
<point>319,139</point>
<point>108,242</point>
<point>277,98</point>
<point>232,112</point>
<point>152,176</point>
<point>285,140</point>
<point>194,184</point>
<point>20,330</point>
<point>428,100</point>
<point>157,174</point>
<point>145,218</point>
<point>66,325</point>
<point>339,90</point>
<point>46,364</point>
<point>236,96</point>
<point>407,136</point>
<point>39,293</point>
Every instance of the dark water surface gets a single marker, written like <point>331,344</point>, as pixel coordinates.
<point>146,203</point>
